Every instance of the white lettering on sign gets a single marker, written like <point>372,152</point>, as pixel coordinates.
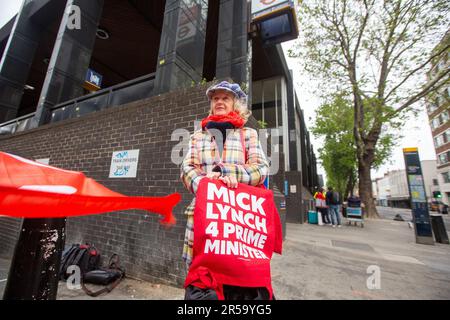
<point>228,196</point>
<point>237,226</point>
<point>94,79</point>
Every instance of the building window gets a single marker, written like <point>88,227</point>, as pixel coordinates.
<point>444,157</point>
<point>435,182</point>
<point>267,107</point>
<point>444,116</point>
<point>437,141</point>
<point>442,138</point>
<point>446,177</point>
<point>439,120</point>
<point>432,107</point>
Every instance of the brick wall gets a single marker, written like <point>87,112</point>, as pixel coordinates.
<point>148,250</point>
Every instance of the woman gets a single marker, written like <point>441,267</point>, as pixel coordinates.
<point>321,206</point>
<point>216,152</point>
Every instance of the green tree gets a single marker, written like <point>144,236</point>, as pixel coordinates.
<point>334,124</point>
<point>380,52</point>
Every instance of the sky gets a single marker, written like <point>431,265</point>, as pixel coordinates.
<point>8,8</point>
<point>416,132</point>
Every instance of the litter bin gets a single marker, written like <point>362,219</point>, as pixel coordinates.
<point>440,233</point>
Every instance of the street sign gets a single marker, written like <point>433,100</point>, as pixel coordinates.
<point>124,164</point>
<point>419,205</point>
<point>93,81</point>
<point>264,7</point>
<point>275,20</point>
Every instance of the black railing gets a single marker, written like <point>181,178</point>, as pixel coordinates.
<point>133,90</point>
<point>16,125</point>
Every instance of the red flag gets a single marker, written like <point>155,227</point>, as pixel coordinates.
<point>236,233</point>
<point>33,190</point>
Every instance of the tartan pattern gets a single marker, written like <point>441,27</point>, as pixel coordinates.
<point>203,158</point>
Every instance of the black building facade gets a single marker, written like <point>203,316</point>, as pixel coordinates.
<point>150,54</point>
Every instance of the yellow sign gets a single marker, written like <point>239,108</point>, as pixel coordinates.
<point>410,149</point>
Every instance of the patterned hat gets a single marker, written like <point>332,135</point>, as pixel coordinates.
<point>233,88</point>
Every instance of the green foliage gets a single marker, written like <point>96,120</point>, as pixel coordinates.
<point>378,52</point>
<point>334,123</point>
<point>262,124</point>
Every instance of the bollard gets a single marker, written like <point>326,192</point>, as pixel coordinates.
<point>34,270</point>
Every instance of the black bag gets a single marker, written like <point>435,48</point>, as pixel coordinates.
<point>85,256</point>
<point>110,276</point>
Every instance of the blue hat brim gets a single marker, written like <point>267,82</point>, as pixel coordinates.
<point>210,92</point>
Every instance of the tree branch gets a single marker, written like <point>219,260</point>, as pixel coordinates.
<point>401,52</point>
<point>361,32</point>
<point>423,65</point>
<point>386,54</point>
<point>426,90</point>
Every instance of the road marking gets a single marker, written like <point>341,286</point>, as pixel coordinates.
<point>399,258</point>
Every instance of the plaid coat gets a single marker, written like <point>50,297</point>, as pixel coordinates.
<point>203,156</point>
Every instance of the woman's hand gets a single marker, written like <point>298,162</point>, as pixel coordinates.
<point>214,175</point>
<point>230,181</point>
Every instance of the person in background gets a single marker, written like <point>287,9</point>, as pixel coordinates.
<point>321,205</point>
<point>333,202</point>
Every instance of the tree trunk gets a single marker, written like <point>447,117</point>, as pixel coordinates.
<point>350,185</point>
<point>365,190</point>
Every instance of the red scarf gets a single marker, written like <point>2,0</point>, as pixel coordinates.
<point>232,117</point>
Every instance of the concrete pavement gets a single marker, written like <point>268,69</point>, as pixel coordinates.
<point>320,262</point>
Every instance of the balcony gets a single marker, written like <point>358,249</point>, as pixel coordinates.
<point>133,90</point>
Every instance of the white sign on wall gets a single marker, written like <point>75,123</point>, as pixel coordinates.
<point>124,164</point>
<point>43,161</point>
<point>261,7</point>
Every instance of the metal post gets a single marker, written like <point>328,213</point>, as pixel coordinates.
<point>34,271</point>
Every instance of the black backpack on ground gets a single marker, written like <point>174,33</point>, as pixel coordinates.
<point>110,276</point>
<point>85,256</point>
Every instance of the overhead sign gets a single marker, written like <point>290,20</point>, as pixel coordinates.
<point>264,7</point>
<point>93,81</point>
<point>274,21</point>
<point>124,164</point>
<point>419,205</point>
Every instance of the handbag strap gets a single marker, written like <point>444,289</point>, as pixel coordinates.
<point>244,149</point>
<point>113,264</point>
<point>108,288</point>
